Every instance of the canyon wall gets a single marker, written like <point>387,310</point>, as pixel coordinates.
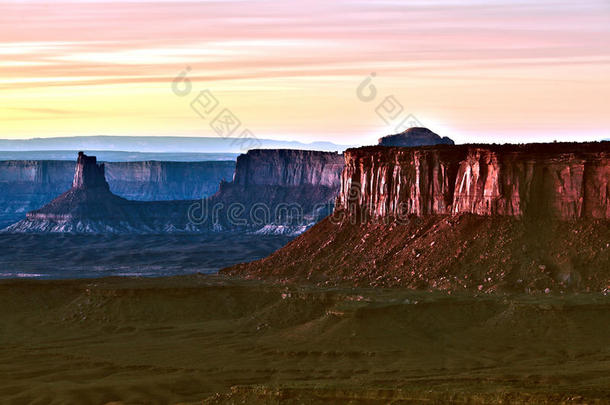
<point>278,190</point>
<point>288,167</point>
<point>26,185</point>
<point>566,181</point>
<point>29,184</point>
<point>153,180</point>
<point>274,192</point>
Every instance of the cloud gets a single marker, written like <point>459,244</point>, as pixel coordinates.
<point>48,50</point>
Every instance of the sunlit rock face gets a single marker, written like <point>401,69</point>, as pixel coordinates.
<point>566,181</point>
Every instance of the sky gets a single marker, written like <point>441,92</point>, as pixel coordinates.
<point>341,71</point>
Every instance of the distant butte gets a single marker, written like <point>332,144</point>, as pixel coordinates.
<point>90,207</point>
<point>89,174</point>
<point>416,136</point>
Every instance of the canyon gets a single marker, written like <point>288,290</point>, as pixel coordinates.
<point>90,207</point>
<point>531,217</point>
<point>27,185</point>
<point>273,192</point>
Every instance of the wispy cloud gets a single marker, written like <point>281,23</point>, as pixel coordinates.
<point>53,111</point>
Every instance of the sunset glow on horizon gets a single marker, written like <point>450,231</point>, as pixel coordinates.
<point>473,70</point>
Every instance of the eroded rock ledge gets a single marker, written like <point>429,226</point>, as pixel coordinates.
<point>565,180</point>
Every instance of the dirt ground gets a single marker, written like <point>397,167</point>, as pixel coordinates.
<point>211,339</point>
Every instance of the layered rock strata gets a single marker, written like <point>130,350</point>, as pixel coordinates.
<point>567,181</point>
<point>90,207</point>
<point>277,191</point>
<point>533,218</point>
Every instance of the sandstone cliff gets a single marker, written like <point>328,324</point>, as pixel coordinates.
<point>566,181</point>
<point>29,184</point>
<point>483,217</point>
<point>278,191</point>
<point>288,167</point>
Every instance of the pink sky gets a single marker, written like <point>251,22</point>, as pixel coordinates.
<point>477,71</point>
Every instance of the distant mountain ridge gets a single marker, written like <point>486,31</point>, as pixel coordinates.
<point>160,144</point>
<point>116,156</point>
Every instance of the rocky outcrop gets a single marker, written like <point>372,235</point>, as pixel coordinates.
<point>277,191</point>
<point>27,185</point>
<point>470,217</point>
<point>566,181</point>
<point>415,136</point>
<point>89,174</point>
<point>90,207</point>
<point>274,192</point>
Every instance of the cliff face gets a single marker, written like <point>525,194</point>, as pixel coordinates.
<point>28,185</point>
<point>566,181</point>
<point>287,167</point>
<point>164,181</point>
<point>480,217</point>
<point>278,191</point>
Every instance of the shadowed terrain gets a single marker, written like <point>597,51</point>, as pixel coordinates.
<point>93,255</point>
<point>194,338</point>
<point>465,252</point>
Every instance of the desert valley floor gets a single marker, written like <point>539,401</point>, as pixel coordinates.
<point>207,338</point>
<point>45,256</point>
